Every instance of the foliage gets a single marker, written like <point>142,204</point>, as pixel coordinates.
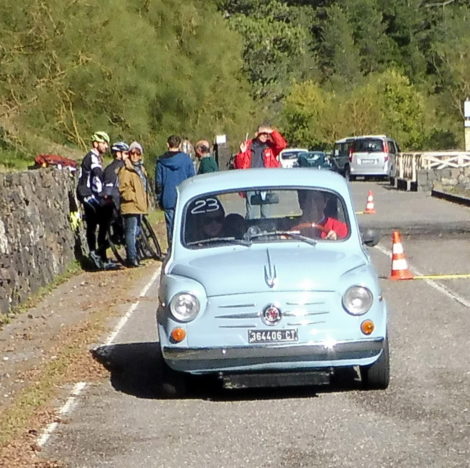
<point>385,103</point>
<point>134,68</point>
<point>353,45</point>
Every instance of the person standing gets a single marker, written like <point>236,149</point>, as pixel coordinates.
<point>89,188</point>
<point>134,199</point>
<point>261,151</point>
<point>207,162</point>
<point>171,169</point>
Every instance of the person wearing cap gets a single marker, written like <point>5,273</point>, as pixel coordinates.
<point>134,195</point>
<point>89,188</point>
<point>171,169</point>
<point>207,162</point>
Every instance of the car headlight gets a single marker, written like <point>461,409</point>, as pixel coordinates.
<point>357,300</point>
<point>184,307</point>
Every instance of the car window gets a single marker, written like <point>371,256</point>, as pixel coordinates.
<point>391,146</point>
<point>274,215</point>
<point>290,154</point>
<point>368,145</point>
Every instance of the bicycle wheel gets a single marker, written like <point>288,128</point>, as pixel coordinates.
<point>116,242</point>
<point>149,240</point>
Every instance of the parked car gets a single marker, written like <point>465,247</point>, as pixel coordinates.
<point>372,155</point>
<point>274,299</point>
<point>314,159</point>
<point>288,157</point>
<point>340,156</point>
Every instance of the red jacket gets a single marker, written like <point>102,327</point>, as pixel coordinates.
<point>334,225</point>
<point>275,145</point>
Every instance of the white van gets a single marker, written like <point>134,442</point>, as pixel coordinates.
<point>372,155</point>
<point>288,157</point>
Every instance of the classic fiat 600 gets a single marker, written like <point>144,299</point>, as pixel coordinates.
<point>268,282</point>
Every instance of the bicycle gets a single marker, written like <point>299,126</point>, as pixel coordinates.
<point>146,242</point>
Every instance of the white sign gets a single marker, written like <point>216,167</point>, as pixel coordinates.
<point>466,108</point>
<point>222,139</point>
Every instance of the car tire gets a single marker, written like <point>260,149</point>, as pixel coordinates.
<point>173,384</point>
<point>347,172</point>
<point>377,375</point>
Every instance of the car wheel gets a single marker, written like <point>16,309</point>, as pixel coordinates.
<point>173,384</point>
<point>347,172</point>
<point>377,375</point>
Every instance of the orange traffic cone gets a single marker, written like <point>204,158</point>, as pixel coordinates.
<point>400,269</point>
<point>370,204</point>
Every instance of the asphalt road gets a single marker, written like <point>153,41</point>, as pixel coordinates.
<point>422,419</point>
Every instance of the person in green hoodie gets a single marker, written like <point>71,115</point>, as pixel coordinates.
<point>207,162</point>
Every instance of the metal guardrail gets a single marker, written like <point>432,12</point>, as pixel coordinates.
<point>406,165</point>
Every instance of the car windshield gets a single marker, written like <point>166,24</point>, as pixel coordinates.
<point>368,145</point>
<point>267,215</point>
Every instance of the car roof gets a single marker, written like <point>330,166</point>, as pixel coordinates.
<point>262,177</point>
<point>287,150</point>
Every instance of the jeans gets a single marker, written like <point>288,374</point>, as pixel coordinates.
<point>257,211</point>
<point>169,219</point>
<point>131,231</point>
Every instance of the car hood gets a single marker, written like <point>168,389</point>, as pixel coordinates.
<point>258,270</point>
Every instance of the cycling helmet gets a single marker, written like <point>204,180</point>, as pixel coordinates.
<point>119,146</point>
<point>100,137</point>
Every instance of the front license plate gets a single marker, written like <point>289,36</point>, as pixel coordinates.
<point>272,336</point>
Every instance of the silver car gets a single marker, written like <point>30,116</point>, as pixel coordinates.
<point>371,155</point>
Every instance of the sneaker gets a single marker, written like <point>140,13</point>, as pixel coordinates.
<point>132,263</point>
<point>109,265</point>
<point>96,260</point>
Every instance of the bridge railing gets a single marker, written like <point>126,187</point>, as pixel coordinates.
<point>406,165</point>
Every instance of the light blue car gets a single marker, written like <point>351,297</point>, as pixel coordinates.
<point>268,282</point>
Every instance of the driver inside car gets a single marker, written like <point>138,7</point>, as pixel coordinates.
<point>314,222</point>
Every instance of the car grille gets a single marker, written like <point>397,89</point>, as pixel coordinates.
<point>234,312</point>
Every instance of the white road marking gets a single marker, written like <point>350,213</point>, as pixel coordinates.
<point>128,314</point>
<point>438,286</point>
<point>80,386</point>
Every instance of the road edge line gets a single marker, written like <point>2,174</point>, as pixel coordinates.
<point>439,287</point>
<point>79,387</point>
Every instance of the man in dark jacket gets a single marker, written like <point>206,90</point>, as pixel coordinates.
<point>171,169</point>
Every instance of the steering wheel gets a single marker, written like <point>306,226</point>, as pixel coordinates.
<point>301,226</point>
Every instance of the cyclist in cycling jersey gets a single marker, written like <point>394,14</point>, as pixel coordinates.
<point>89,189</point>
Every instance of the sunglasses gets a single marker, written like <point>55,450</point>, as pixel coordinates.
<point>135,153</point>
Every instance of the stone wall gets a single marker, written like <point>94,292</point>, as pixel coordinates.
<point>442,179</point>
<point>37,242</point>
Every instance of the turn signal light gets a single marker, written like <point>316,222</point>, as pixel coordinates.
<point>367,327</point>
<point>178,334</point>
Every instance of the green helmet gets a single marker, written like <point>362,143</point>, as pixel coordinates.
<point>100,137</point>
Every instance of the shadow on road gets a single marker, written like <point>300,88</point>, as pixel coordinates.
<point>137,369</point>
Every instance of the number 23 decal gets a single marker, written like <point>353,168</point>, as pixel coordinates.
<point>208,205</point>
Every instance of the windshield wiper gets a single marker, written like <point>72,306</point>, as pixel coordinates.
<point>293,234</point>
<point>218,240</point>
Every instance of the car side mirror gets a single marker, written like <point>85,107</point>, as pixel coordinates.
<point>370,237</point>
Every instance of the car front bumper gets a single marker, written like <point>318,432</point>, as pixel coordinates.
<point>272,357</point>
